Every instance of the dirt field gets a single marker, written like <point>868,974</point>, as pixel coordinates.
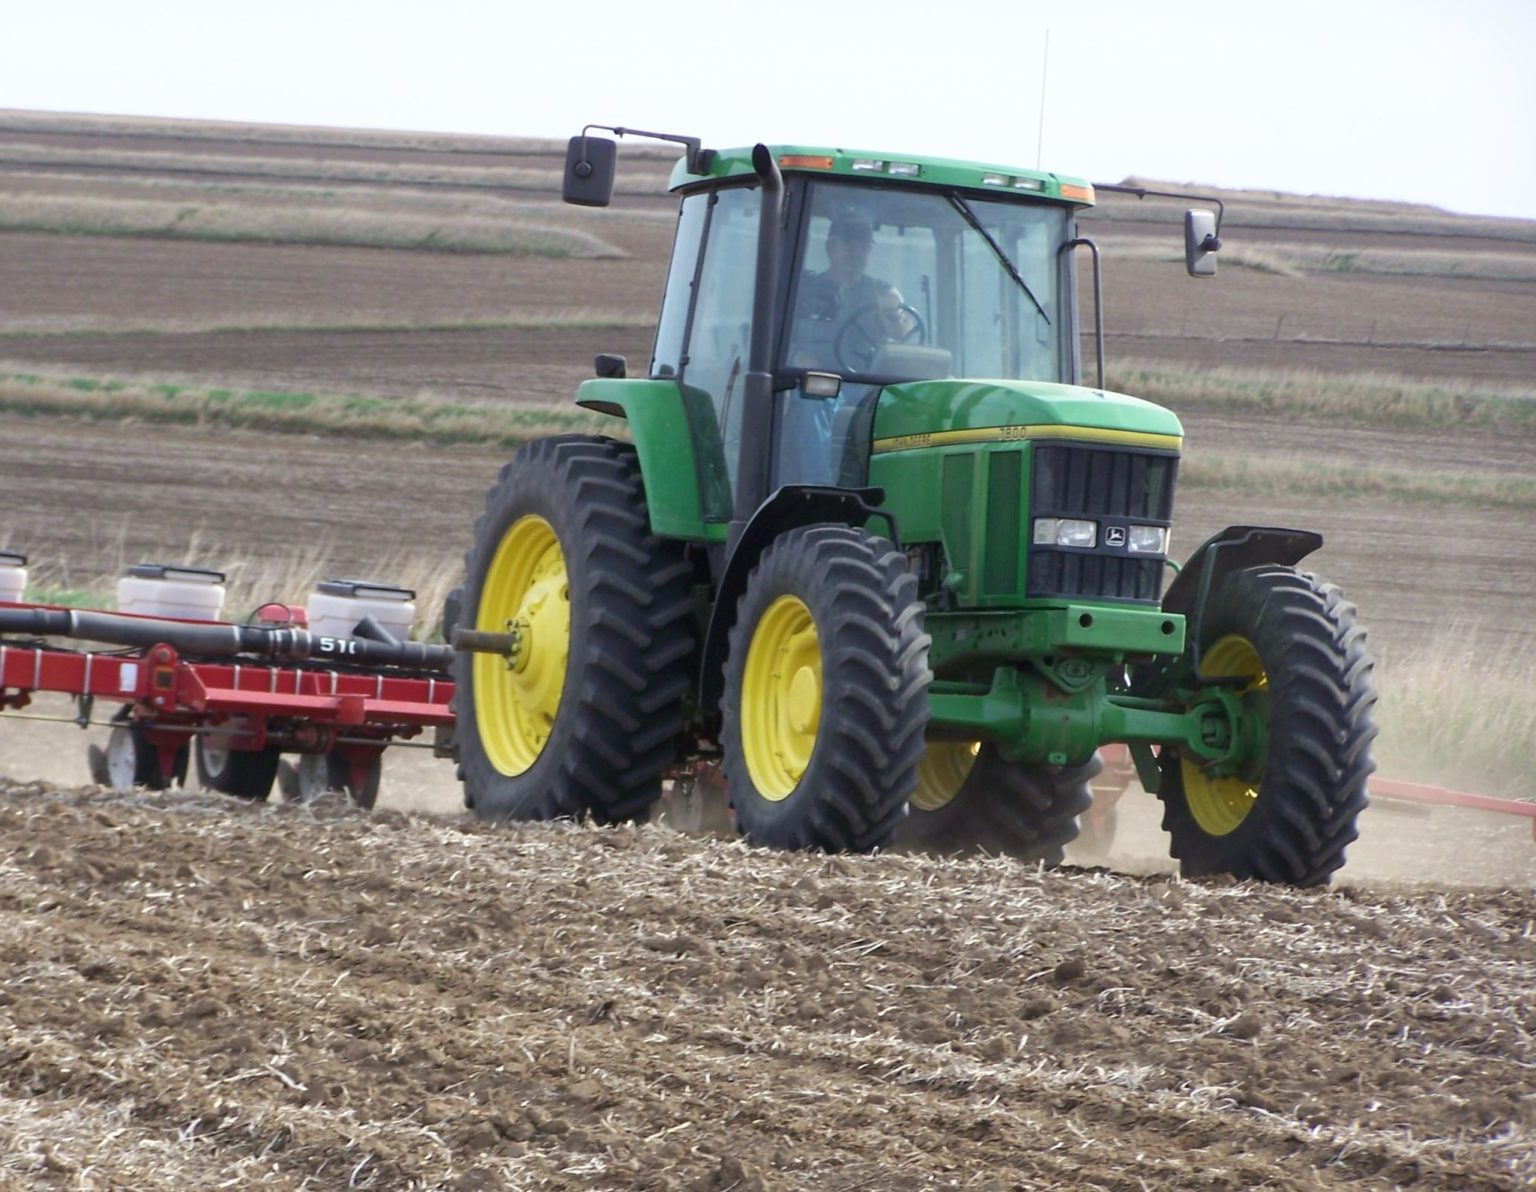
<point>199,993</point>
<point>196,993</point>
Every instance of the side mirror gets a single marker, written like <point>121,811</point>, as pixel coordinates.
<point>610,365</point>
<point>589,169</point>
<point>1200,243</point>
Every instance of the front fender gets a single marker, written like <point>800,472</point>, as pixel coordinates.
<point>788,507</point>
<point>1234,549</point>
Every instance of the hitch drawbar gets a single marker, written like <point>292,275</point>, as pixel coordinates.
<point>217,640</point>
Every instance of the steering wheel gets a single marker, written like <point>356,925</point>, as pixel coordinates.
<point>856,344</point>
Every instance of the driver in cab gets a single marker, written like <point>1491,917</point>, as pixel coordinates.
<point>850,312</point>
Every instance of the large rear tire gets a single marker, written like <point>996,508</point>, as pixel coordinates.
<point>969,799</point>
<point>1290,646</point>
<point>586,715</point>
<point>825,697</point>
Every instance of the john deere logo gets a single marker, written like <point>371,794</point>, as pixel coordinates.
<point>1114,536</point>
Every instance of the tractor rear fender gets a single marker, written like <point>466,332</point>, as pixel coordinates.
<point>670,429</point>
<point>1234,549</point>
<point>788,507</point>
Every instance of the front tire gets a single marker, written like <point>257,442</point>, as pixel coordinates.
<point>825,700</point>
<point>1292,649</point>
<point>584,717</point>
<point>970,799</point>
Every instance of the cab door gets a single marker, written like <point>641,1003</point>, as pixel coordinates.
<point>705,331</point>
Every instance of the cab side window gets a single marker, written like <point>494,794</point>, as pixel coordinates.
<point>672,326</point>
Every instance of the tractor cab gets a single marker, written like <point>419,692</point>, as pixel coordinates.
<point>868,273</point>
<point>887,284</point>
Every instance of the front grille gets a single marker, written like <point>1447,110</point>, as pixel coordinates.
<point>1117,487</point>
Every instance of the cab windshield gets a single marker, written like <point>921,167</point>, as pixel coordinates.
<point>893,284</point>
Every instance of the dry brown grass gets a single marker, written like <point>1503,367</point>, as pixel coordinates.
<point>1457,711</point>
<point>1361,399</point>
<point>317,169</point>
<point>1272,209</point>
<point>1310,477</point>
<point>552,318</point>
<point>295,223</point>
<point>1292,260</point>
<point>252,579</point>
<point>162,128</point>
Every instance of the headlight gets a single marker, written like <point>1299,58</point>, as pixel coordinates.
<point>1064,531</point>
<point>1148,540</point>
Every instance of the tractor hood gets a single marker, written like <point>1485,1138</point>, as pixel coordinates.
<point>913,415</point>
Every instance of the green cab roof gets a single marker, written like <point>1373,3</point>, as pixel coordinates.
<point>857,163</point>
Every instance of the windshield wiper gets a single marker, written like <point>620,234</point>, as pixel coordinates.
<point>969,216</point>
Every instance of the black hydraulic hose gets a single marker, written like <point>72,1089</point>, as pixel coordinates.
<point>219,640</point>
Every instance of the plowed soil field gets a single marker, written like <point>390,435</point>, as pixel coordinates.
<point>199,994</point>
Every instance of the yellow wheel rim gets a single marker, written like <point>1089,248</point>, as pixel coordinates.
<point>781,698</point>
<point>526,593</point>
<point>942,773</point>
<point>1221,804</point>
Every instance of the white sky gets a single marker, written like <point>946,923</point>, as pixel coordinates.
<point>1426,100</point>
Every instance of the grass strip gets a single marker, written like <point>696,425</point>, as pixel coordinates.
<point>651,181</point>
<point>290,324</point>
<point>442,420</point>
<point>1360,400</point>
<point>1304,477</point>
<point>1290,260</point>
<point>1296,212</point>
<point>296,224</point>
<point>353,415</point>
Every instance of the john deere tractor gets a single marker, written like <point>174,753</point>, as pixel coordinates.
<point>872,545</point>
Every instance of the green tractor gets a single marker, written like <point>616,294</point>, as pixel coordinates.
<point>875,550</point>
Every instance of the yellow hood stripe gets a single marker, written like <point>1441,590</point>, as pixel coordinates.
<point>1014,434</point>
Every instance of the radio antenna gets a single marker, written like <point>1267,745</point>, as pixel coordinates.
<point>1045,67</point>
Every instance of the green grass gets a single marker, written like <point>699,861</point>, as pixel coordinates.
<point>355,415</point>
<point>69,597</point>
